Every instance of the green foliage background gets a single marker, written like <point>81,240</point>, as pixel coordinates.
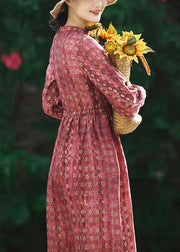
<point>151,151</point>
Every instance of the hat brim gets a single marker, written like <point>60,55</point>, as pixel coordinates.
<point>57,8</point>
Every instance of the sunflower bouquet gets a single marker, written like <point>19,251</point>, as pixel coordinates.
<point>122,50</point>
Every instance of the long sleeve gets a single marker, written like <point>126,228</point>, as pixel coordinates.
<point>51,102</point>
<point>108,79</point>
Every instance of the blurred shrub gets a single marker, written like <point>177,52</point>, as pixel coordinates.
<point>23,176</point>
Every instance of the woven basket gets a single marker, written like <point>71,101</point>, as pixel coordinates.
<point>122,124</point>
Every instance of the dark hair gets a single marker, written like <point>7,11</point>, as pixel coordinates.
<point>60,20</point>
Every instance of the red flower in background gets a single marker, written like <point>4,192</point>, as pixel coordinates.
<point>12,61</point>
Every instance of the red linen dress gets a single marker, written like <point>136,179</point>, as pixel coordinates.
<point>89,204</point>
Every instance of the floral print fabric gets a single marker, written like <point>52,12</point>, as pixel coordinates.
<point>88,205</point>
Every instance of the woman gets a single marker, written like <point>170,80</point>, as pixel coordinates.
<point>89,204</point>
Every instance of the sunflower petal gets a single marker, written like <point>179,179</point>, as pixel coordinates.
<point>148,49</point>
<point>136,59</point>
<point>111,29</point>
<point>138,36</point>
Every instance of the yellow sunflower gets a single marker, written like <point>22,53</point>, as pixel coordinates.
<point>132,46</point>
<point>104,34</point>
<point>107,34</point>
<point>93,33</point>
<point>129,45</point>
<point>128,50</point>
<point>93,28</point>
<point>112,44</point>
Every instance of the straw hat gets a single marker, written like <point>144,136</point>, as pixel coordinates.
<point>57,8</point>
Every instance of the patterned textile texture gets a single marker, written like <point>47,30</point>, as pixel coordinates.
<point>89,206</point>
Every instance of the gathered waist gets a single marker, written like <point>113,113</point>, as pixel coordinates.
<point>94,111</point>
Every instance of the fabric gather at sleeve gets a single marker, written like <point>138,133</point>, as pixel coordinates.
<point>51,101</point>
